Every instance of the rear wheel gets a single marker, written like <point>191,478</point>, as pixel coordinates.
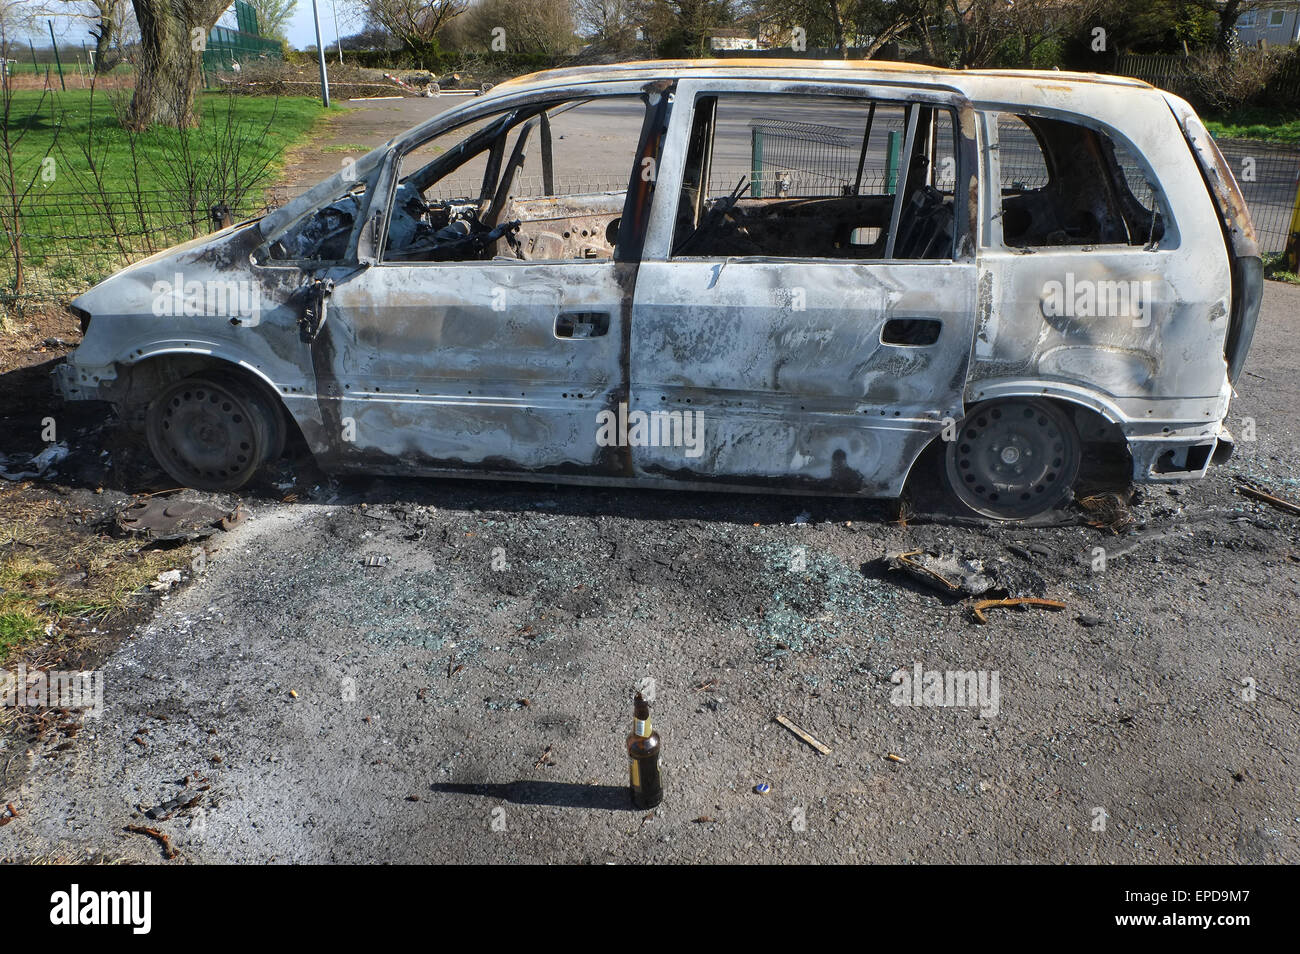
<point>1013,459</point>
<point>212,431</point>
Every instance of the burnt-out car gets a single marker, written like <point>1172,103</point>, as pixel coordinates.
<point>745,275</point>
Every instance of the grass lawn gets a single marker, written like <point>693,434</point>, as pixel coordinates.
<point>80,116</point>
<point>152,200</point>
<point>1268,124</point>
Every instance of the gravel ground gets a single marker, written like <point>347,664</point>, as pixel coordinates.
<point>467,696</point>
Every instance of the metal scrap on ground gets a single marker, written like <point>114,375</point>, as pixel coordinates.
<point>177,520</point>
<point>978,607</point>
<point>951,574</point>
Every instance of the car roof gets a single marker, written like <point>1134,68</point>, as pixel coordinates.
<point>974,84</point>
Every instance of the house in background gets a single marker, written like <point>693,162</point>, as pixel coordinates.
<point>1277,25</point>
<point>732,38</point>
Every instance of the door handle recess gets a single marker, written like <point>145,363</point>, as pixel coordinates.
<point>582,324</point>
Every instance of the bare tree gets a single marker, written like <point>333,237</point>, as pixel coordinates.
<point>111,23</point>
<point>413,23</point>
<point>975,33</point>
<point>18,18</point>
<point>612,22</point>
<point>682,27</point>
<point>517,26</point>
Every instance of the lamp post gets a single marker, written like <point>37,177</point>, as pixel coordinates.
<point>320,55</point>
<point>338,37</point>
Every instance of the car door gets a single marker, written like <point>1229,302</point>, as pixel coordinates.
<point>807,368</point>
<point>498,365</point>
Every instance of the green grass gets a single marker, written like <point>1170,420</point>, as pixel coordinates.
<point>1254,123</point>
<point>18,625</point>
<point>52,578</point>
<point>79,114</point>
<point>1275,268</point>
<point>69,242</point>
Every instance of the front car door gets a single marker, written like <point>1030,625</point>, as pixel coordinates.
<point>492,328</point>
<point>807,295</point>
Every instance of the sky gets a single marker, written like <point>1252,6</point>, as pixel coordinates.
<point>72,31</point>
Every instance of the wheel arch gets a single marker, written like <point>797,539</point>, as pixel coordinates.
<point>1097,419</point>
<point>148,373</point>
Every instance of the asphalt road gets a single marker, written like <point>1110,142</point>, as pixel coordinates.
<point>465,694</point>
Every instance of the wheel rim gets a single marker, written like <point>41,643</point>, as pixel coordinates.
<point>208,435</point>
<point>1013,459</point>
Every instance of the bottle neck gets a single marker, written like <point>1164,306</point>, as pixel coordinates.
<point>641,727</point>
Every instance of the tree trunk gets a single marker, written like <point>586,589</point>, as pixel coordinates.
<point>107,55</point>
<point>1227,32</point>
<point>170,69</point>
<point>837,30</point>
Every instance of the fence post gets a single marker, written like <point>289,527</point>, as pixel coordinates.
<point>892,159</point>
<point>55,43</point>
<point>1293,235</point>
<point>756,163</point>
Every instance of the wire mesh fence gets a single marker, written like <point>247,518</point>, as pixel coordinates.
<point>799,159</point>
<point>1269,176</point>
<point>61,244</point>
<point>806,159</point>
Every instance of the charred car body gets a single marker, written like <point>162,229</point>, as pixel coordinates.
<point>775,276</point>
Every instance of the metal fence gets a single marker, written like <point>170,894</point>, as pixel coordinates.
<point>68,242</point>
<point>229,51</point>
<point>1175,73</point>
<point>806,159</point>
<point>1269,176</point>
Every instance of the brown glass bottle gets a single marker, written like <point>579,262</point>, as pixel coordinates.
<point>643,749</point>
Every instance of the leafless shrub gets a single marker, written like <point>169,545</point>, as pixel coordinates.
<point>1228,80</point>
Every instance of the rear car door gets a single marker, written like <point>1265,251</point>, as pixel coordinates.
<point>807,294</point>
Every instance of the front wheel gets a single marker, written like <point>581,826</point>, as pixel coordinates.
<point>211,433</point>
<point>1012,459</point>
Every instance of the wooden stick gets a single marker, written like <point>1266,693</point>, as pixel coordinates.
<point>1277,502</point>
<point>824,750</point>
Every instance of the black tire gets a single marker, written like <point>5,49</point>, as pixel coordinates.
<point>212,432</point>
<point>1013,459</point>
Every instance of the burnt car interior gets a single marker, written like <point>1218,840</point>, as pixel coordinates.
<point>1087,198</point>
<point>516,209</point>
<point>866,183</point>
<point>521,210</point>
<point>322,236</point>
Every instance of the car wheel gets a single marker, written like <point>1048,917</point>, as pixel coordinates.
<point>211,433</point>
<point>1012,459</point>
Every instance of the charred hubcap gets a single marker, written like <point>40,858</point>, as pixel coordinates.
<point>208,433</point>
